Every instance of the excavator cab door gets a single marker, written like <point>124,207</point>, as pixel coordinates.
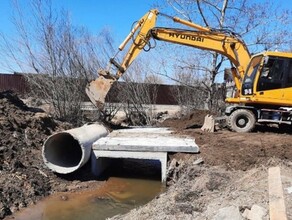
<point>251,76</point>
<point>287,90</point>
<point>274,80</point>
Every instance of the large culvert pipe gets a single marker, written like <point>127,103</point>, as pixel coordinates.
<point>67,151</point>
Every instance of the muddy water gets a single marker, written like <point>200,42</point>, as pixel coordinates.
<point>117,195</point>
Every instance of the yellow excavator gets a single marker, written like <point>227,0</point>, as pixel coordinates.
<point>263,81</point>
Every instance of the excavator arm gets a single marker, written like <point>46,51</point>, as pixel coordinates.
<point>223,42</point>
<point>139,37</point>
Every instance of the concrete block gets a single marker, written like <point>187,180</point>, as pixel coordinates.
<point>289,190</point>
<point>98,165</point>
<point>142,143</point>
<point>256,213</point>
<point>139,130</point>
<point>228,213</point>
<point>146,139</point>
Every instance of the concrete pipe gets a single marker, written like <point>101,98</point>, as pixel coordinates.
<point>67,151</point>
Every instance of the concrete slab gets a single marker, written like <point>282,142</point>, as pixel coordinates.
<point>146,140</point>
<point>276,195</point>
<point>144,130</point>
<point>137,130</point>
<point>146,144</point>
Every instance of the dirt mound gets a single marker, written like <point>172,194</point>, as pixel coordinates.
<point>195,119</point>
<point>24,177</point>
<point>241,151</point>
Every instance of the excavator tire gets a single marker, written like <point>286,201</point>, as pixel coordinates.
<point>241,120</point>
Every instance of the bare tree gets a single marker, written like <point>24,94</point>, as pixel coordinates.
<point>60,58</point>
<point>189,92</point>
<point>139,95</point>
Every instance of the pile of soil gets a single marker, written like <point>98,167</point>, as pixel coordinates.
<point>24,178</point>
<point>195,119</point>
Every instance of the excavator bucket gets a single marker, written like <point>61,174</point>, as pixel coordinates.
<point>212,123</point>
<point>209,124</point>
<point>98,89</point>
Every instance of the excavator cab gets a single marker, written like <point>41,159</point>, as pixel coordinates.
<point>268,80</point>
<point>250,75</point>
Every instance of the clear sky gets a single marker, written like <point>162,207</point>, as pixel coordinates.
<point>117,15</point>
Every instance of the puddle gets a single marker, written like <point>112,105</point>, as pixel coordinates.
<point>117,195</point>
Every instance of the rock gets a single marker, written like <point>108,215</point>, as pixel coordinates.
<point>289,190</point>
<point>256,213</point>
<point>198,161</point>
<point>64,198</point>
<point>227,213</point>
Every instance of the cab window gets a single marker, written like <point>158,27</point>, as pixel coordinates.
<point>288,67</point>
<point>247,86</point>
<point>275,74</point>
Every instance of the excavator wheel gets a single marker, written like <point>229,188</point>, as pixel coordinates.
<point>241,120</point>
